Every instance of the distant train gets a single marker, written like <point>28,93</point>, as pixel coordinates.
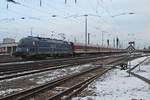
<point>44,47</point>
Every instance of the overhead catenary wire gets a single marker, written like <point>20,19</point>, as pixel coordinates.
<point>37,9</point>
<point>28,7</point>
<point>44,11</point>
<point>40,0</point>
<point>13,1</point>
<point>22,17</point>
<point>97,15</point>
<point>107,11</point>
<point>90,3</point>
<point>25,5</point>
<point>96,10</point>
<point>67,17</point>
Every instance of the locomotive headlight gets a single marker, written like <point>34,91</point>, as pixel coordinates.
<point>27,49</point>
<point>33,43</point>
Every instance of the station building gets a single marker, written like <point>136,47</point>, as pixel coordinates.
<point>8,46</point>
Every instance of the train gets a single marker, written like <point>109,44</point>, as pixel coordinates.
<point>30,47</point>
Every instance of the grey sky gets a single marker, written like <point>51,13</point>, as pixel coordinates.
<point>127,27</point>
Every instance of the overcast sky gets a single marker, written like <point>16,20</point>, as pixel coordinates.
<point>17,21</point>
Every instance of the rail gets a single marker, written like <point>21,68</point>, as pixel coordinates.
<point>141,77</point>
<point>137,65</point>
<point>136,75</point>
<point>76,88</point>
<point>35,90</point>
<point>83,61</point>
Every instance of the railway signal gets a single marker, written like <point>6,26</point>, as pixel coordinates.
<point>131,48</point>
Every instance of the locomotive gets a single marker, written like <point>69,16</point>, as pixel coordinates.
<point>30,47</point>
<point>43,47</point>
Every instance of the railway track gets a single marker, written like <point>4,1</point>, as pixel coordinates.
<point>40,61</point>
<point>70,84</point>
<point>48,68</point>
<point>141,77</point>
<point>35,64</point>
<point>8,58</point>
<point>32,70</point>
<point>23,72</point>
<point>16,60</point>
<point>137,65</point>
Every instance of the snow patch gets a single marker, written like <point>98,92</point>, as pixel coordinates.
<point>136,61</point>
<point>144,69</point>
<point>59,73</point>
<point>8,91</point>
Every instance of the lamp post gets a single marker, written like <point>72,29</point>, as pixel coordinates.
<point>86,30</point>
<point>86,26</point>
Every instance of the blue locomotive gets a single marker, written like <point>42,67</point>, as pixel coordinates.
<point>43,47</point>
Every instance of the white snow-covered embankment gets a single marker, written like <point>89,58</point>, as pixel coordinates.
<point>117,85</point>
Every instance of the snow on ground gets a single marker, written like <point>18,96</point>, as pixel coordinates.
<point>117,85</point>
<point>60,73</point>
<point>144,69</point>
<point>8,91</point>
<point>136,61</point>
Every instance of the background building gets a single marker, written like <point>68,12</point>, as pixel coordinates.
<point>8,46</point>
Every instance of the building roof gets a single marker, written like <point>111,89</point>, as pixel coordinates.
<point>8,44</point>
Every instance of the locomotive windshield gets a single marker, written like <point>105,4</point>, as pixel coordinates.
<point>25,43</point>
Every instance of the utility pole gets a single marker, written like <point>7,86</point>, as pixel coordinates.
<point>107,42</point>
<point>86,33</point>
<point>88,38</point>
<point>117,42</point>
<point>75,40</point>
<point>40,3</point>
<point>114,43</point>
